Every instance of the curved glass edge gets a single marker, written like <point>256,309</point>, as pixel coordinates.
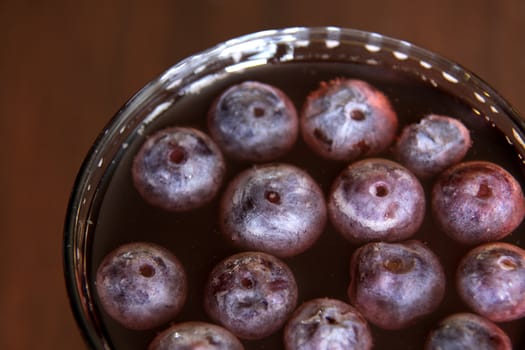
<point>297,37</point>
<point>75,249</point>
<point>256,48</point>
<point>71,276</point>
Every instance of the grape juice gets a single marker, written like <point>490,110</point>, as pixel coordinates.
<point>122,216</point>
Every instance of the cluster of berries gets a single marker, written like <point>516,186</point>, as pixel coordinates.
<point>273,211</point>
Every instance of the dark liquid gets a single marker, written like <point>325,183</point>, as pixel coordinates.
<point>323,271</point>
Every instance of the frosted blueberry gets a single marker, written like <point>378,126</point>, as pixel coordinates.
<point>346,119</point>
<point>376,200</point>
<point>432,145</point>
<point>141,285</point>
<point>476,202</point>
<point>327,324</point>
<point>178,169</point>
<point>465,331</point>
<point>195,336</point>
<point>275,208</point>
<point>491,281</point>
<point>395,284</point>
<point>253,121</point>
<point>252,294</point>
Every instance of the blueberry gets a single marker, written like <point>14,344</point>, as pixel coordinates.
<point>195,336</point>
<point>327,324</point>
<point>252,294</point>
<point>376,199</point>
<point>491,281</point>
<point>395,284</point>
<point>466,331</point>
<point>178,169</point>
<point>254,122</point>
<point>345,119</point>
<point>476,202</point>
<point>275,208</point>
<point>141,285</point>
<point>432,145</point>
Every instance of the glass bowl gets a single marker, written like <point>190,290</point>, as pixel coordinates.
<point>178,85</point>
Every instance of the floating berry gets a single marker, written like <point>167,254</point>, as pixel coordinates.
<point>376,200</point>
<point>275,208</point>
<point>326,324</point>
<point>466,331</point>
<point>252,294</point>
<point>253,121</point>
<point>476,202</point>
<point>432,145</point>
<point>195,336</point>
<point>178,169</point>
<point>395,284</point>
<point>141,285</point>
<point>346,119</point>
<point>491,281</point>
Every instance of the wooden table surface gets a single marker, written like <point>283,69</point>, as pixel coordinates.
<point>67,66</point>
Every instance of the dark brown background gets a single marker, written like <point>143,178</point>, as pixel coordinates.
<point>67,66</point>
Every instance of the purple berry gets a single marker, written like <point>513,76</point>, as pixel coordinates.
<point>275,208</point>
<point>195,336</point>
<point>491,281</point>
<point>253,121</point>
<point>178,169</point>
<point>477,202</point>
<point>345,119</point>
<point>251,294</point>
<point>327,324</point>
<point>466,331</point>
<point>141,285</point>
<point>432,145</point>
<point>376,200</point>
<point>395,284</point>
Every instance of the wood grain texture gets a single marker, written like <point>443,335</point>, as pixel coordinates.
<point>67,66</point>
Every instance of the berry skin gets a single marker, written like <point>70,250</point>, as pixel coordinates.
<point>195,336</point>
<point>432,145</point>
<point>395,284</point>
<point>327,324</point>
<point>275,208</point>
<point>466,331</point>
<point>491,281</point>
<point>141,285</point>
<point>376,200</point>
<point>252,294</point>
<point>178,169</point>
<point>346,119</point>
<point>476,202</point>
<point>254,122</point>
